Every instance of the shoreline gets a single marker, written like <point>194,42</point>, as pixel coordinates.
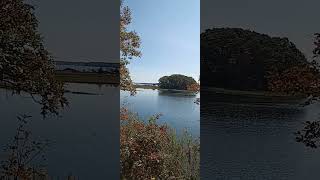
<point>249,93</point>
<point>88,78</point>
<point>220,94</point>
<point>160,89</point>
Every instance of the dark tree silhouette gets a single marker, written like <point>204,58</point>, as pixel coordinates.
<point>26,66</point>
<point>235,58</point>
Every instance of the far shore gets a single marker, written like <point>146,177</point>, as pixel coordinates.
<point>85,78</point>
<point>220,94</point>
<point>248,92</point>
<point>89,78</point>
<point>163,90</point>
<point>146,87</point>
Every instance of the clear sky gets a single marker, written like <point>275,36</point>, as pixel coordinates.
<point>170,34</point>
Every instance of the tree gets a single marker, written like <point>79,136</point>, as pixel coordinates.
<point>178,81</point>
<point>309,135</point>
<point>25,65</point>
<point>235,58</point>
<point>316,50</point>
<point>129,48</point>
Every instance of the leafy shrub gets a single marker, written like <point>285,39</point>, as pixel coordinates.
<point>152,151</point>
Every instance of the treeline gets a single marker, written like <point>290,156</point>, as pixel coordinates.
<point>178,82</point>
<point>235,58</point>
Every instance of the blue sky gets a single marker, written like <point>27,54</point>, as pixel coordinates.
<point>170,34</point>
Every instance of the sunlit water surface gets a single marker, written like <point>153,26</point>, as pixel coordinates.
<point>178,110</point>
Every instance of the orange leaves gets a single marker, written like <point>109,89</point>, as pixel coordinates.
<point>140,149</point>
<point>124,114</point>
<point>295,80</point>
<point>149,150</point>
<point>193,87</point>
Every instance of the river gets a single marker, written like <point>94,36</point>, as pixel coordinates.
<point>255,141</point>
<point>84,139</point>
<point>178,110</point>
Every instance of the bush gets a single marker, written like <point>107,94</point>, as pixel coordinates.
<point>178,81</point>
<point>152,151</point>
<point>24,155</point>
<point>302,80</point>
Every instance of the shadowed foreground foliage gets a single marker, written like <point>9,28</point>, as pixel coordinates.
<point>23,155</point>
<point>310,134</point>
<point>307,81</point>
<point>149,150</point>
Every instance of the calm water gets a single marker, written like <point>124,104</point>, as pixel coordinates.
<point>248,141</point>
<point>83,144</point>
<point>178,109</point>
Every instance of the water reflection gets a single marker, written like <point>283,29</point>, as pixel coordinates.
<point>175,93</point>
<point>178,110</point>
<point>255,141</point>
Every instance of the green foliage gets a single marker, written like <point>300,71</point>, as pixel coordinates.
<point>25,65</point>
<point>176,81</point>
<point>152,151</point>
